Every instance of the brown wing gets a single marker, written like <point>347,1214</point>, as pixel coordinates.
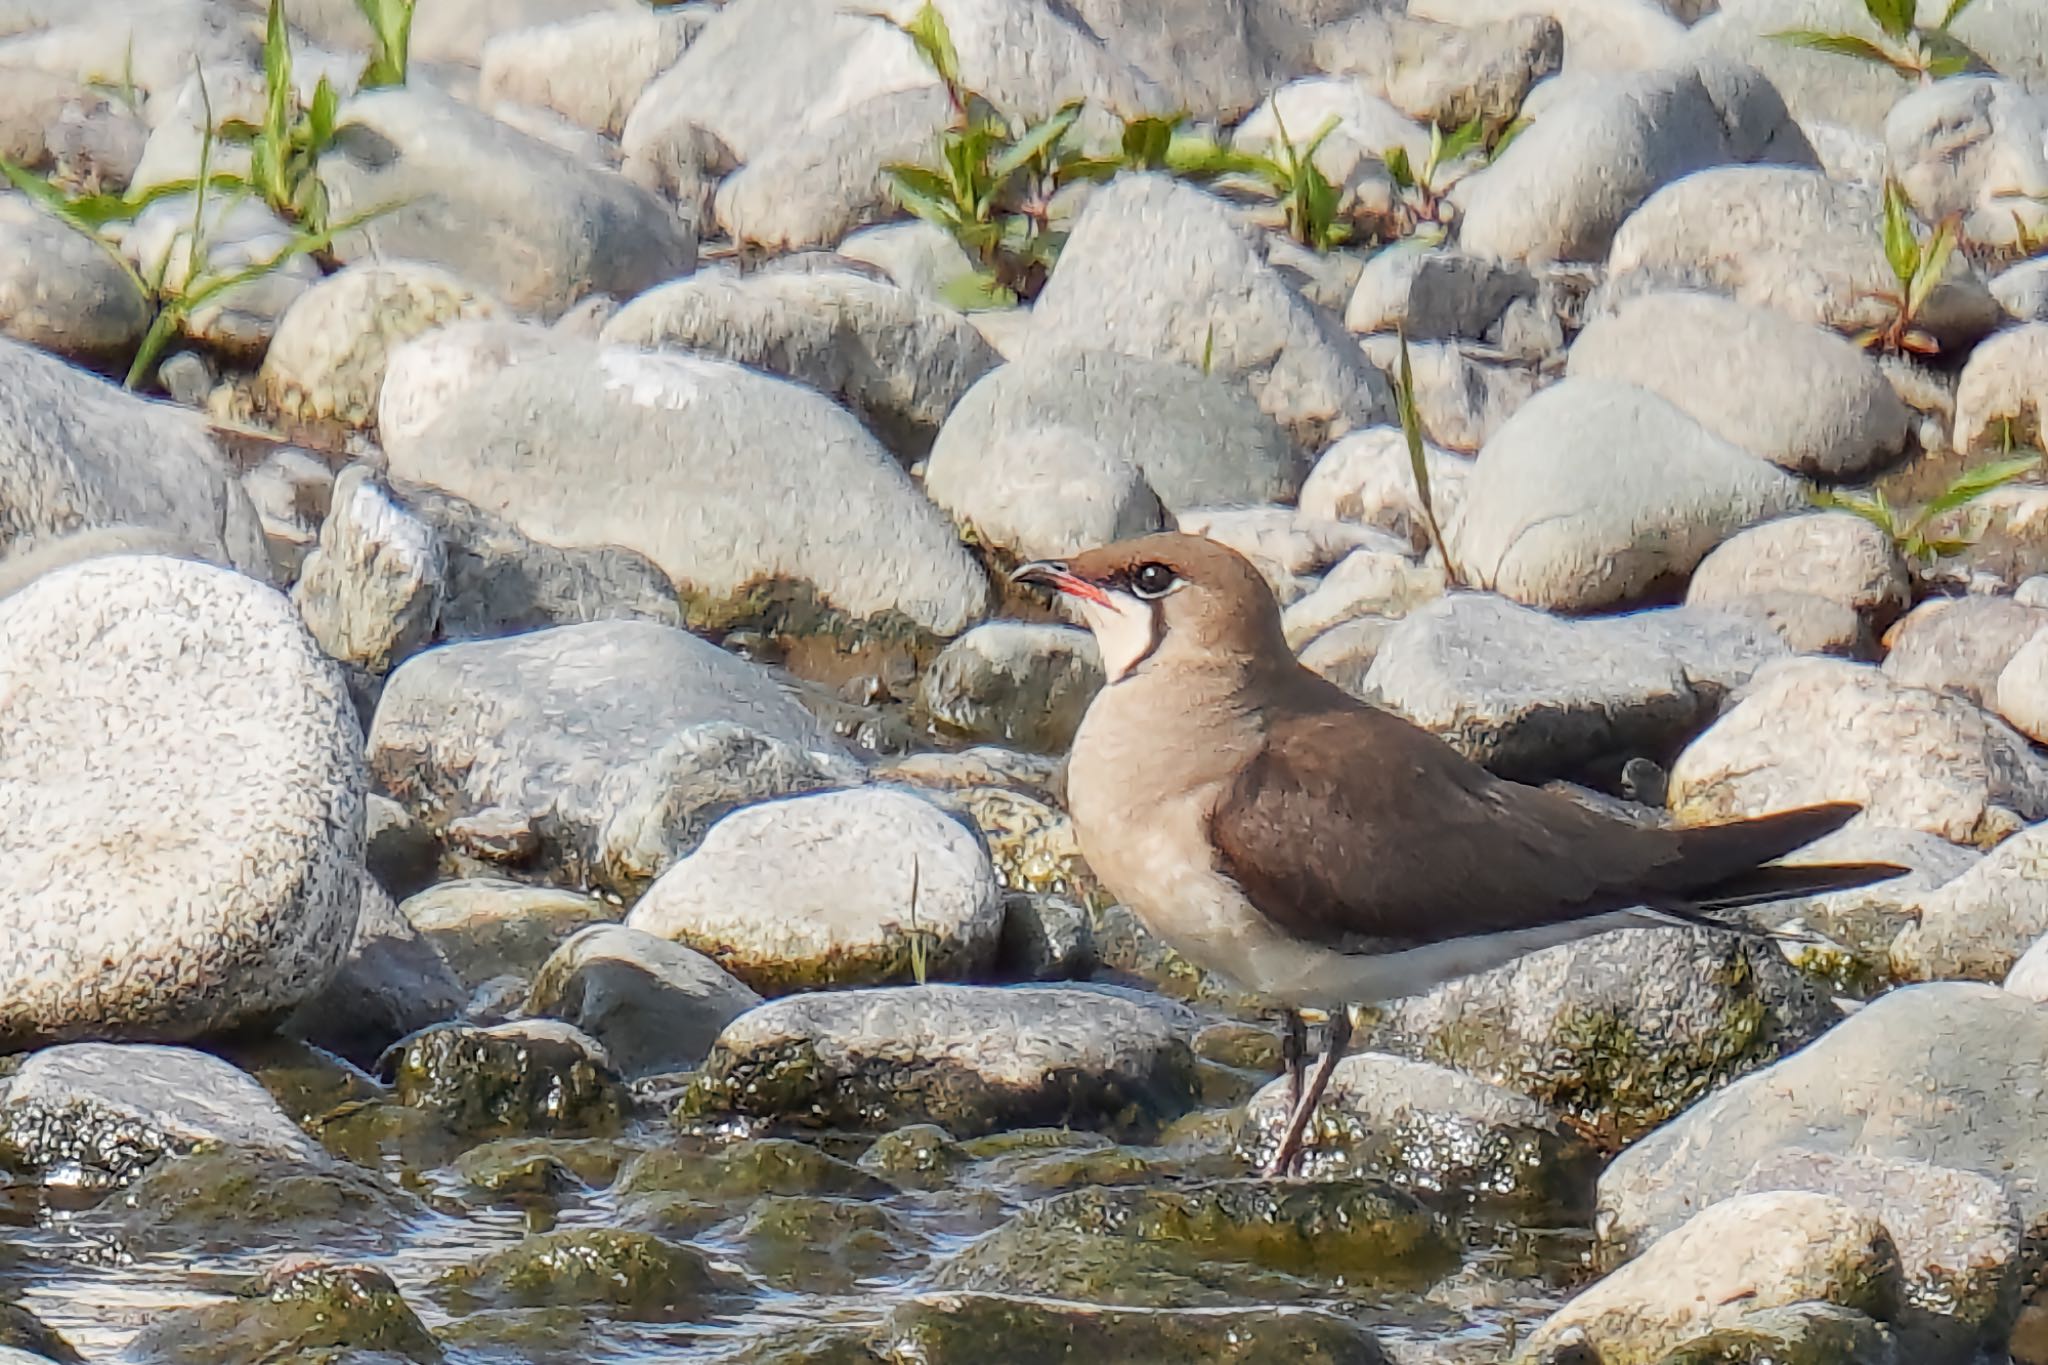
<point>1393,839</point>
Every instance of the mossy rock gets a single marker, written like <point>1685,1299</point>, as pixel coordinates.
<point>380,1131</point>
<point>1227,1242</point>
<point>1798,1334</point>
<point>958,1329</point>
<point>630,1275</point>
<point>219,1200</point>
<point>745,1171</point>
<point>806,1346</point>
<point>919,1156</point>
<point>530,1336</point>
<point>803,1243</point>
<point>24,1331</point>
<point>517,1166</point>
<point>345,1309</point>
<point>509,1081</point>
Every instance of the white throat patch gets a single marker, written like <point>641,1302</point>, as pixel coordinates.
<point>1123,632</point>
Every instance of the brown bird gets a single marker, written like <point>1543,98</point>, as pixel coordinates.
<point>1324,852</point>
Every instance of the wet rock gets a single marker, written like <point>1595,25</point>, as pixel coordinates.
<point>327,361</point>
<point>1786,238</point>
<point>514,1167</point>
<point>25,1340</point>
<point>1062,445</point>
<point>112,460</point>
<point>653,1004</point>
<point>1533,696</point>
<point>972,1059</point>
<point>1998,396</point>
<point>486,927</point>
<point>97,1114</point>
<point>219,879</point>
<point>898,361</point>
<point>397,849</point>
<point>955,1329</point>
<point>839,888</point>
<point>61,291</point>
<point>1014,681</point>
<point>619,742</point>
<point>304,1310</point>
<point>534,1076</point>
<point>208,1201</point>
<point>1961,646</point>
<point>746,1171</point>
<point>1561,189</point>
<point>1956,1234</point>
<point>1387,582</point>
<point>1809,730</point>
<point>1978,925</point>
<point>1596,493</point>
<point>1433,293</point>
<point>1205,1245</point>
<point>1798,1333</point>
<point>804,1244</point>
<point>1745,1254</point>
<point>1045,938</point>
<point>1803,398</point>
<point>1932,1073</point>
<point>756,496</point>
<point>1837,556</point>
<point>589,68</point>
<point>371,593</point>
<point>1443,73</point>
<point>917,1156</point>
<point>534,226</point>
<point>1618,1032</point>
<point>1367,478</point>
<point>1976,147</point>
<point>630,1276</point>
<point>393,982</point>
<point>1433,1131</point>
<point>1155,268</point>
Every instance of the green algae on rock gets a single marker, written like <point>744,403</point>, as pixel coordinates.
<point>531,1077</point>
<point>745,1171</point>
<point>916,1156</point>
<point>631,1275</point>
<point>293,1314</point>
<point>529,1165</point>
<point>1797,1334</point>
<point>804,1243</point>
<point>960,1329</point>
<point>213,1201</point>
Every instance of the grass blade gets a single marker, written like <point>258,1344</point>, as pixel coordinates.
<point>1933,265</point>
<point>1973,484</point>
<point>1955,12</point>
<point>1842,45</point>
<point>1895,17</point>
<point>1901,243</point>
<point>1034,142</point>
<point>1418,461</point>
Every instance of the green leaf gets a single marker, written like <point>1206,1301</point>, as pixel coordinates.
<point>390,42</point>
<point>1973,484</point>
<point>238,131</point>
<point>1895,17</point>
<point>1418,459</point>
<point>934,39</point>
<point>1398,169</point>
<point>1872,508</point>
<point>1209,349</point>
<point>977,293</point>
<point>1932,266</point>
<point>926,194</point>
<point>1035,142</point>
<point>1095,169</point>
<point>1147,140</point>
<point>1955,12</point>
<point>1950,55</point>
<point>1463,139</point>
<point>1901,242</point>
<point>1843,45</point>
<point>322,115</point>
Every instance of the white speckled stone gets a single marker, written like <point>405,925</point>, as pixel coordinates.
<point>181,804</point>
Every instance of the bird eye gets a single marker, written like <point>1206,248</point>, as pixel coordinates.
<point>1153,581</point>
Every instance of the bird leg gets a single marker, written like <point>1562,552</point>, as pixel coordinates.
<point>1294,1054</point>
<point>1289,1151</point>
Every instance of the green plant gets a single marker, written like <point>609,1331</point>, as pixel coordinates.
<point>1423,189</point>
<point>285,148</point>
<point>1418,462</point>
<point>916,939</point>
<point>390,40</point>
<point>1917,267</point>
<point>1915,53</point>
<point>1913,531</point>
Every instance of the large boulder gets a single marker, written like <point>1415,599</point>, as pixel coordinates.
<point>181,804</point>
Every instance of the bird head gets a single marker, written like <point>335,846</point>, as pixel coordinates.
<point>1167,597</point>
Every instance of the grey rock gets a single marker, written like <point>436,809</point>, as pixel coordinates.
<point>424,377</point>
<point>156,43</point>
<point>538,1076</point>
<point>533,225</point>
<point>1345,652</point>
<point>240,233</point>
<point>489,928</point>
<point>1976,147</point>
<point>1620,1031</point>
<point>76,453</point>
<point>1810,730</point>
<point>1461,400</point>
<point>99,1113</point>
<point>66,130</point>
<point>1213,58</point>
<point>1745,1255</point>
<point>1535,697</point>
<point>459,30</point>
<point>2002,386</point>
<point>2021,691</point>
<point>1160,270</point>
<point>590,68</point>
<point>1045,938</point>
<point>951,1328</point>
<point>1601,37</point>
<point>919,256</point>
<point>1386,582</point>
<point>1433,1130</point>
<point>1061,450</point>
<point>1434,293</point>
<point>1787,238</point>
<point>1956,1233</point>
<point>618,741</point>
<point>1596,493</point>
<point>1097,1059</point>
<point>2022,290</point>
<point>1014,681</point>
<point>1562,188</point>
<point>1935,1073</point>
<point>499,582</point>
<point>1289,548</point>
<point>1837,556</point>
<point>1367,477</point>
<point>327,361</point>
<point>160,881</point>
<point>653,1004</point>
<point>1802,398</point>
<point>24,567</point>
<point>1444,73</point>
<point>371,593</point>
<point>1978,925</point>
<point>898,361</point>
<point>726,478</point>
<point>392,982</point>
<point>1960,646</point>
<point>60,290</point>
<point>397,849</point>
<point>836,888</point>
<point>2028,978</point>
<point>1807,623</point>
<point>292,491</point>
